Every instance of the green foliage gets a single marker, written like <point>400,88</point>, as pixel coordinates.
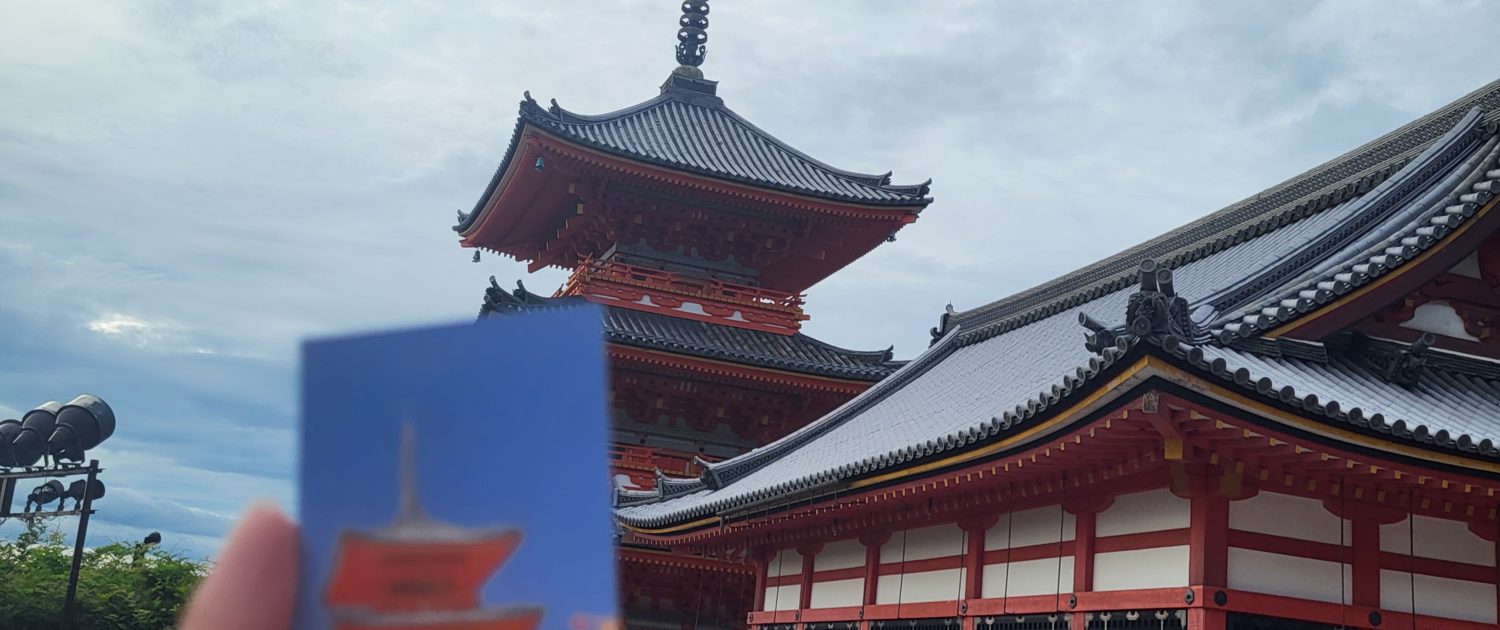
<point>120,587</point>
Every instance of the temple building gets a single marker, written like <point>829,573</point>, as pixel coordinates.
<point>699,234</point>
<point>1284,415</point>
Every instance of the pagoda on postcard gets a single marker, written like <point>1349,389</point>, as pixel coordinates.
<point>699,232</point>
<point>419,573</point>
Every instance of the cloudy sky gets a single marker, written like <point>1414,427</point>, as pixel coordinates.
<point>187,189</point>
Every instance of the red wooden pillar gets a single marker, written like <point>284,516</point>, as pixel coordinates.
<point>1365,562</point>
<point>974,531</point>
<point>809,555</point>
<point>872,542</point>
<point>1085,511</point>
<point>1208,538</point>
<point>1365,520</point>
<point>761,564</point>
<point>1208,563</point>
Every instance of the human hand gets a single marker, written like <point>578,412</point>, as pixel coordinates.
<point>253,585</point>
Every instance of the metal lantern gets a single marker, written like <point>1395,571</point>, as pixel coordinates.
<point>30,442</point>
<point>76,491</point>
<point>81,425</point>
<point>9,429</point>
<point>44,494</point>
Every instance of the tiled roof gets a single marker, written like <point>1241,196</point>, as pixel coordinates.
<point>794,353</point>
<point>1331,183</point>
<point>689,128</point>
<point>985,376</point>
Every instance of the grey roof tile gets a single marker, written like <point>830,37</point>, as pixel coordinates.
<point>689,128</point>
<point>795,353</point>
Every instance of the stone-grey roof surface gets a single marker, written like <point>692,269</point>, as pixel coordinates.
<point>1332,182</point>
<point>975,383</point>
<point>688,128</point>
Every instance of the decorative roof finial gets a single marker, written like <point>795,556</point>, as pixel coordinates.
<point>692,38</point>
<point>406,471</point>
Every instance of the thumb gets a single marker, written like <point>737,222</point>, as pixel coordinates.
<point>253,585</point>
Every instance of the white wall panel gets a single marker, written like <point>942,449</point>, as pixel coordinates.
<point>844,554</point>
<point>788,562</point>
<point>1287,515</point>
<point>1438,538</point>
<point>1141,568</point>
<point>838,593</point>
<point>783,597</point>
<point>1037,526</point>
<point>925,586</point>
<point>1441,597</point>
<point>938,541</point>
<point>1150,511</point>
<point>1277,574</point>
<point>1029,577</point>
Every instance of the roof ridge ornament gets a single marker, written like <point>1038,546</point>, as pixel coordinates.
<point>1405,368</point>
<point>1154,311</point>
<point>692,37</point>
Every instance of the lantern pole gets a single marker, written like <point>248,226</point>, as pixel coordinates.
<point>83,529</point>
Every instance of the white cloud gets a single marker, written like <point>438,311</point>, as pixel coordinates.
<point>126,328</point>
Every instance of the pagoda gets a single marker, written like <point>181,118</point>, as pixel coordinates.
<point>1282,416</point>
<point>699,233</point>
<point>418,573</point>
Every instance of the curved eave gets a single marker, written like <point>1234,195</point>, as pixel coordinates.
<point>911,198</point>
<point>1074,397</point>
<point>1448,226</point>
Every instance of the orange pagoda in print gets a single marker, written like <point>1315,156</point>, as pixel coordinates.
<point>419,573</point>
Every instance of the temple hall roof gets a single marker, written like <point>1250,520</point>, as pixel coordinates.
<point>689,128</point>
<point>1003,368</point>
<point>652,331</point>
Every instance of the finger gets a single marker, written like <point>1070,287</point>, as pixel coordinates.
<point>253,585</point>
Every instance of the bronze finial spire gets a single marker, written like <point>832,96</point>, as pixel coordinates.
<point>692,38</point>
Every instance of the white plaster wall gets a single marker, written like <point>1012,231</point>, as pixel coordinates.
<point>926,586</point>
<point>1438,538</point>
<point>1037,526</point>
<point>1291,576</point>
<point>844,554</point>
<point>1438,318</point>
<point>1030,577</point>
<point>1441,597</point>
<point>787,562</point>
<point>1150,511</point>
<point>837,593</point>
<point>1287,515</point>
<point>783,597</point>
<point>1141,568</point>
<point>938,541</point>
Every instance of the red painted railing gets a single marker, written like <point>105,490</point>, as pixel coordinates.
<point>640,463</point>
<point>701,288</point>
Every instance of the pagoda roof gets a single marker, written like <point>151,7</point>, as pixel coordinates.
<point>997,371</point>
<point>688,128</point>
<point>653,331</point>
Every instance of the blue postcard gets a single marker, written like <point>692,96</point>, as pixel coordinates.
<point>454,478</point>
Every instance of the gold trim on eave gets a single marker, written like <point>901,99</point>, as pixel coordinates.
<point>1147,366</point>
<point>1400,270</point>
